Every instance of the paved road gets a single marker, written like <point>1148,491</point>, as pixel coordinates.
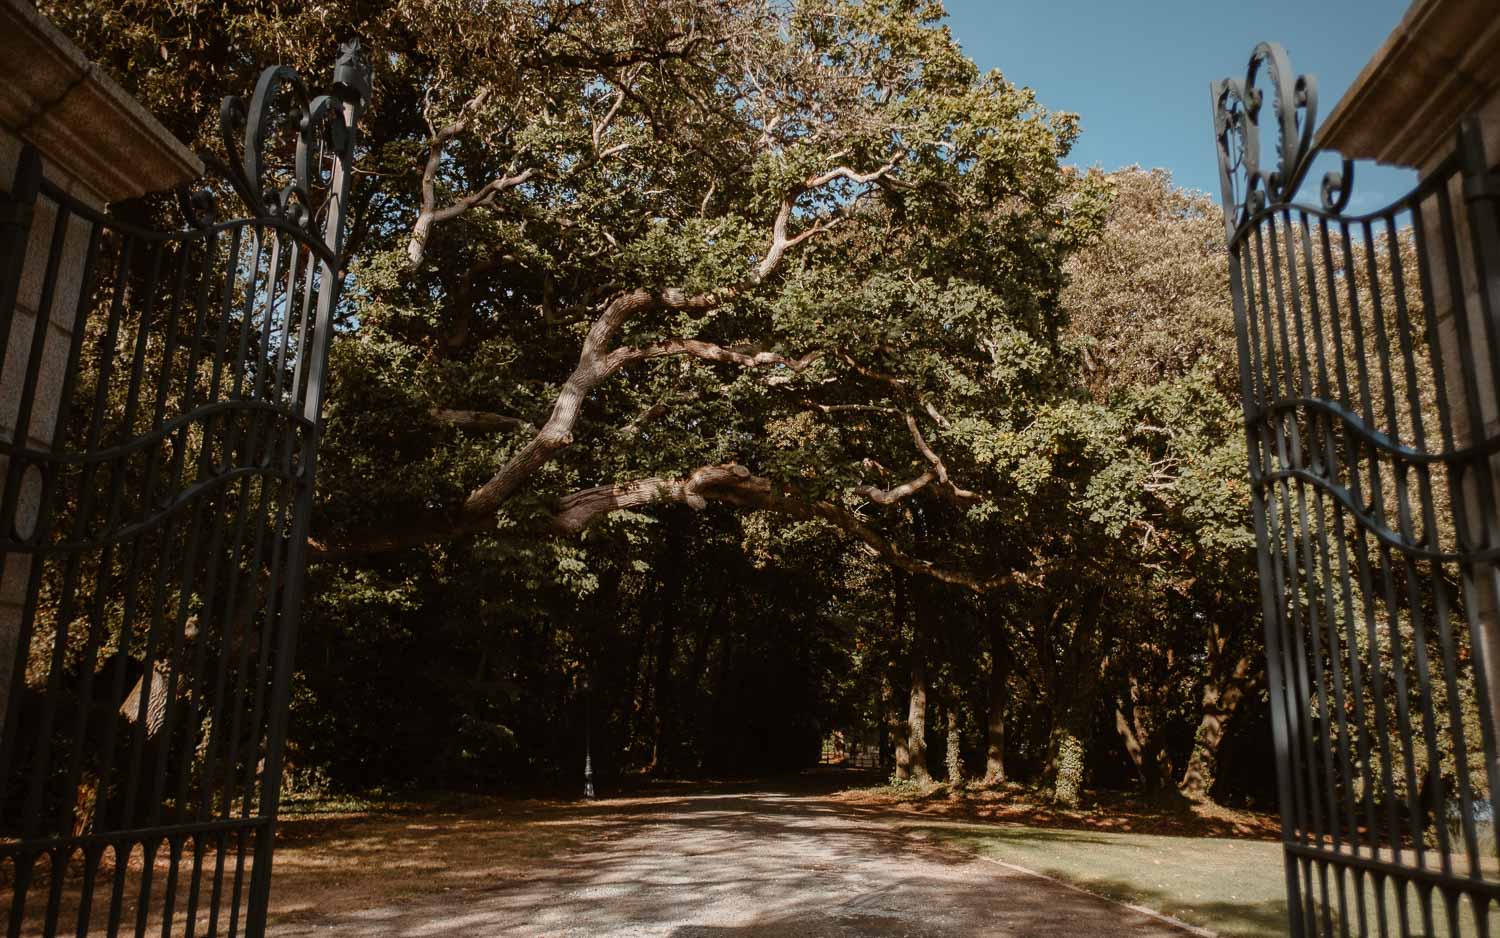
<point>759,863</point>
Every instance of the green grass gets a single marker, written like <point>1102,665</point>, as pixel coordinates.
<point>1233,887</point>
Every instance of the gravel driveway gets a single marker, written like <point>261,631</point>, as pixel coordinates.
<point>742,863</point>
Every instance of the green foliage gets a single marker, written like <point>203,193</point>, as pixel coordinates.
<point>1058,343</point>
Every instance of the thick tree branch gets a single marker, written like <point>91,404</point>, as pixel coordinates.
<point>436,143</point>
<point>851,408</point>
<point>429,214</point>
<point>961,494</point>
<point>576,511</point>
<point>844,172</point>
<point>599,128</point>
<point>892,495</point>
<point>596,363</point>
<point>708,351</point>
<point>781,241</point>
<point>733,484</point>
<point>593,368</point>
<point>478,421</point>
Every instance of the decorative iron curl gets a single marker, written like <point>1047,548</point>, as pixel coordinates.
<point>281,101</point>
<point>1248,186</point>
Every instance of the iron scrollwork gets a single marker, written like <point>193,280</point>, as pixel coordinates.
<point>1248,185</point>
<point>281,101</point>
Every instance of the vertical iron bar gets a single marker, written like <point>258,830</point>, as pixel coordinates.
<point>1483,216</point>
<point>328,297</point>
<point>1392,603</point>
<point>15,233</point>
<point>31,820</point>
<point>1424,497</point>
<point>1257,390</point>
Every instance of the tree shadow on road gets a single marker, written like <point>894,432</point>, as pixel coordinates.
<point>789,861</point>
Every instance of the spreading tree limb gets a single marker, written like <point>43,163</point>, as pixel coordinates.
<point>733,484</point>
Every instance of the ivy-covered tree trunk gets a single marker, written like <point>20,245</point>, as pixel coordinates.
<point>1072,728</point>
<point>955,756</point>
<point>916,711</point>
<point>900,728</point>
<point>999,699</point>
<point>1069,745</point>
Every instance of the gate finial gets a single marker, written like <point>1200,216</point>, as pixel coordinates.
<point>1237,110</point>
<point>282,102</point>
<point>351,74</point>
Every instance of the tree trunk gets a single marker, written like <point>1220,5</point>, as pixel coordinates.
<point>664,715</point>
<point>1069,747</point>
<point>916,716</point>
<point>1069,740</point>
<point>900,729</point>
<point>1000,658</point>
<point>955,751</point>
<point>1220,700</point>
<point>893,746</point>
<point>1140,731</point>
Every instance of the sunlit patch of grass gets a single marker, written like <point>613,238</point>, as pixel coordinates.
<point>905,791</point>
<point>1232,886</point>
<point>300,804</point>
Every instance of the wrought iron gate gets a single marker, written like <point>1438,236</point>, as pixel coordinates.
<point>154,521</point>
<point>1369,352</point>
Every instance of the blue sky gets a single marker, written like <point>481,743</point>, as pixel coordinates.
<point>1137,71</point>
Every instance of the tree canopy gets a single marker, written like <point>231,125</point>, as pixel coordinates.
<point>725,373</point>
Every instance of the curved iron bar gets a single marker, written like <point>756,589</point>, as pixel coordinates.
<point>303,236</point>
<point>1355,424</point>
<point>1393,539</point>
<point>1248,186</point>
<point>183,501</point>
<point>1409,202</point>
<point>167,428</point>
